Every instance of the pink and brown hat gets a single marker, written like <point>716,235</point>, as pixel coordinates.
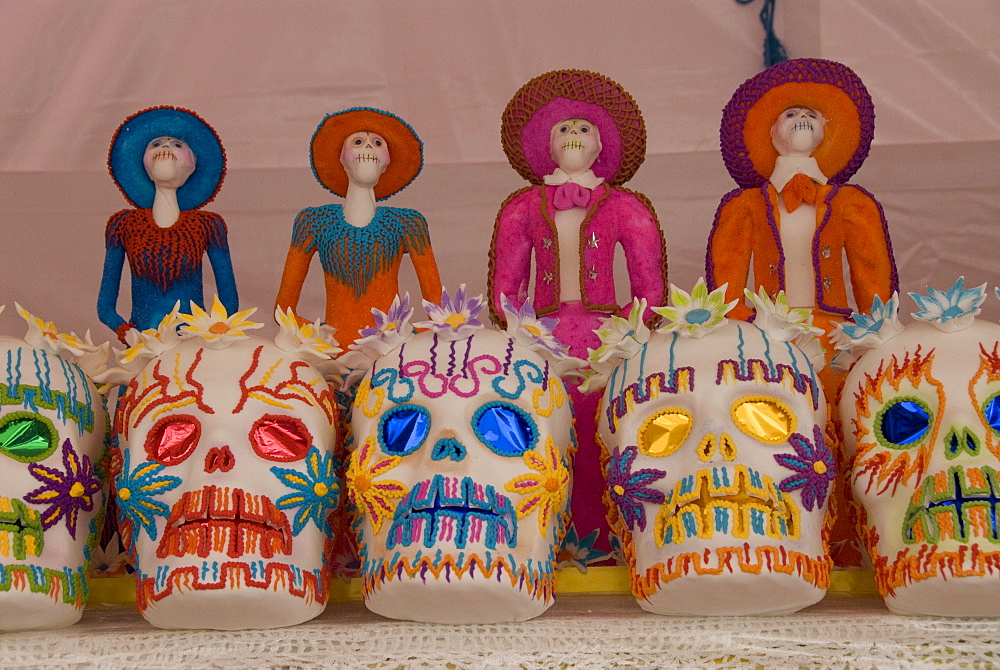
<point>831,88</point>
<point>566,94</point>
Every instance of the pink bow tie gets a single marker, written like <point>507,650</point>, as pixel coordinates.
<point>570,195</point>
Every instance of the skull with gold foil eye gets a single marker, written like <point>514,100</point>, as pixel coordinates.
<point>52,436</point>
<point>225,481</point>
<point>718,473</point>
<point>921,417</point>
<point>460,479</point>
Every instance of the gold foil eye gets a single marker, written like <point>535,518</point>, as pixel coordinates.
<point>664,432</point>
<point>764,418</point>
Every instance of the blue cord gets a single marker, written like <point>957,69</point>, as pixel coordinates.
<point>774,50</point>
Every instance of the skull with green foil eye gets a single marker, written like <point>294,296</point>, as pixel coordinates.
<point>52,432</point>
<point>718,473</point>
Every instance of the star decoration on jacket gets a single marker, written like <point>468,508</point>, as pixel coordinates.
<point>547,242</point>
<point>593,272</point>
<point>547,278</point>
<point>592,241</point>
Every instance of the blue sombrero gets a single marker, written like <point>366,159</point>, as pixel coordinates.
<point>138,130</point>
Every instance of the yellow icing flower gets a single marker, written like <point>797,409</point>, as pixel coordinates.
<point>217,328</point>
<point>546,489</point>
<point>374,498</point>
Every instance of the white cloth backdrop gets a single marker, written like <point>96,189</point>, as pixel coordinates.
<point>264,74</point>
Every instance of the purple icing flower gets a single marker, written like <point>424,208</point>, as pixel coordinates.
<point>628,489</point>
<point>65,493</point>
<point>531,331</point>
<point>454,319</point>
<point>813,465</point>
<point>398,315</point>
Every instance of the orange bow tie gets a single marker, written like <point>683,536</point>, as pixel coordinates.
<point>800,189</point>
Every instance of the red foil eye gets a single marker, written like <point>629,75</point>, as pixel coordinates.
<point>280,438</point>
<point>173,438</point>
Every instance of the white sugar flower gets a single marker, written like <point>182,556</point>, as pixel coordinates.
<point>869,331</point>
<point>532,332</point>
<point>952,310</point>
<point>454,318</point>
<point>312,342</point>
<point>216,327</point>
<point>696,314</point>
<point>780,321</point>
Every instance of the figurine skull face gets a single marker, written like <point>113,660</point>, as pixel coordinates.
<point>365,156</point>
<point>797,131</point>
<point>224,486</point>
<point>460,480</point>
<point>922,436</point>
<point>575,144</point>
<point>169,161</point>
<point>718,473</point>
<point>52,429</point>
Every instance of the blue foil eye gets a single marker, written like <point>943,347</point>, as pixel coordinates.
<point>904,422</point>
<point>505,429</point>
<point>992,412</point>
<point>403,429</point>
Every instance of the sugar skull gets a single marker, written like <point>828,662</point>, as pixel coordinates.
<point>921,418</point>
<point>718,469</point>
<point>225,481</point>
<point>52,437</point>
<point>460,474</point>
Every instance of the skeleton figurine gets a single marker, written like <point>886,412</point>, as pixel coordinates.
<point>225,476</point>
<point>168,163</point>
<point>365,155</point>
<point>921,413</point>
<point>52,430</point>
<point>460,471</point>
<point>718,466</point>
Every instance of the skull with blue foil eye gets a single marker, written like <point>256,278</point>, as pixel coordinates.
<point>460,478</point>
<point>718,473</point>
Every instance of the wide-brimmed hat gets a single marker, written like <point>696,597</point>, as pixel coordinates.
<point>129,144</point>
<point>555,96</point>
<point>406,151</point>
<point>831,88</point>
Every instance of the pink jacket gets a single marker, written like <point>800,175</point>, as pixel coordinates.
<point>615,215</point>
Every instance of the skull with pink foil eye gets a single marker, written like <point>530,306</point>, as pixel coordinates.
<point>921,414</point>
<point>718,470</point>
<point>225,481</point>
<point>52,437</point>
<point>460,478</point>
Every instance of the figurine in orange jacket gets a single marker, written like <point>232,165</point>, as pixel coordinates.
<point>364,155</point>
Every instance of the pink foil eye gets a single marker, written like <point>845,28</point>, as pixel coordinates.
<point>173,438</point>
<point>280,438</point>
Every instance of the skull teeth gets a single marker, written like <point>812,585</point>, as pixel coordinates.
<point>160,155</point>
<point>736,501</point>
<point>573,144</point>
<point>955,504</point>
<point>454,511</point>
<point>20,530</point>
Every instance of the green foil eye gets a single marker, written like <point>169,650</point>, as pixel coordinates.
<point>764,418</point>
<point>663,433</point>
<point>27,437</point>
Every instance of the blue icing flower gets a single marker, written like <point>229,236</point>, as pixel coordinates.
<point>315,492</point>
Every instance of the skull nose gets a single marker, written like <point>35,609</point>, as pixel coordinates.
<point>713,446</point>
<point>219,458</point>
<point>448,448</point>
<point>960,440</point>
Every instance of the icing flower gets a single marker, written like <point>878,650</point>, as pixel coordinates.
<point>44,335</point>
<point>813,465</point>
<point>780,321</point>
<point>454,319</point>
<point>313,342</point>
<point>621,337</point>
<point>628,489</point>
<point>373,497</point>
<point>217,328</point>
<point>528,330</point>
<point>869,331</point>
<point>137,490</point>
<point>695,314</point>
<point>579,552</point>
<point>66,493</point>
<point>546,489</point>
<point>951,310</point>
<point>392,329</point>
<point>316,491</point>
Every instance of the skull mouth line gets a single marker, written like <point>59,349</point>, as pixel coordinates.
<point>572,144</point>
<point>736,501</point>
<point>366,158</point>
<point>802,125</point>
<point>458,511</point>
<point>20,530</point>
<point>162,155</point>
<point>956,504</point>
<point>222,521</point>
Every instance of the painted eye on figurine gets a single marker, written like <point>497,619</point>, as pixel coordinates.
<point>178,144</point>
<point>991,412</point>
<point>584,128</point>
<point>173,438</point>
<point>280,438</point>
<point>902,422</point>
<point>664,432</point>
<point>27,437</point>
<point>764,418</point>
<point>377,142</point>
<point>403,429</point>
<point>505,429</point>
<point>564,128</point>
<point>358,141</point>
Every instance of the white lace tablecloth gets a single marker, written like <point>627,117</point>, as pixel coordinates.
<point>587,631</point>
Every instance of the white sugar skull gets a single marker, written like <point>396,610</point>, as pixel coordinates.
<point>169,161</point>
<point>575,144</point>
<point>798,131</point>
<point>52,436</point>
<point>460,479</point>
<point>718,473</point>
<point>225,481</point>
<point>365,156</point>
<point>921,417</point>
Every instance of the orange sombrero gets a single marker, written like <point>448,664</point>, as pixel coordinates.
<point>831,88</point>
<point>406,151</point>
